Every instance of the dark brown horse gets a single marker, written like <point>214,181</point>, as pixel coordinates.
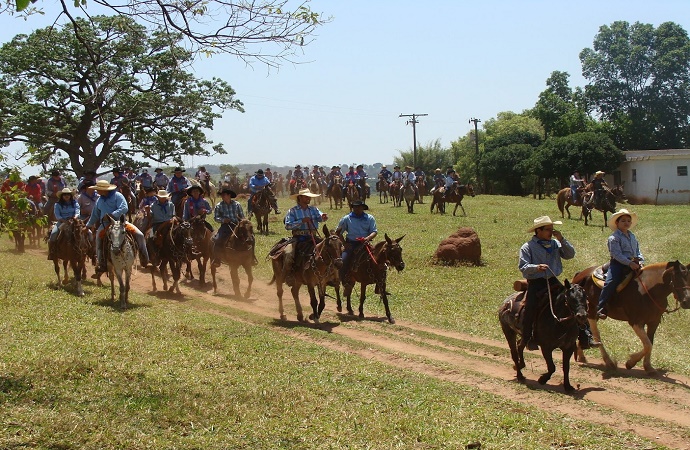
<point>174,247</point>
<point>641,303</point>
<point>394,190</point>
<point>606,204</point>
<point>238,252</point>
<point>201,247</point>
<point>454,194</point>
<point>382,188</point>
<point>336,193</point>
<point>73,246</point>
<point>421,188</point>
<point>564,200</point>
<point>557,325</point>
<point>319,270</point>
<point>409,195</point>
<point>261,207</point>
<point>371,267</point>
<point>351,193</point>
<point>127,190</point>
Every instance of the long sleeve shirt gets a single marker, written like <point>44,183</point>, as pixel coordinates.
<point>178,184</point>
<point>114,203</point>
<point>54,186</point>
<point>161,180</point>
<point>624,248</point>
<point>145,179</point>
<point>232,211</point>
<point>533,253</point>
<point>162,212</point>
<point>86,204</point>
<point>192,207</point>
<point>64,211</point>
<point>257,183</point>
<point>357,227</point>
<point>294,216</point>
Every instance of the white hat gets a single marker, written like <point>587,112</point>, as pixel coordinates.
<point>598,172</point>
<point>103,185</point>
<point>621,212</point>
<point>66,191</point>
<point>305,192</point>
<point>162,194</point>
<point>542,222</point>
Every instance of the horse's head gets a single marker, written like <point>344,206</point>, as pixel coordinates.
<point>331,248</point>
<point>676,274</point>
<point>470,189</point>
<point>198,226</point>
<point>117,233</point>
<point>576,300</point>
<point>618,194</point>
<point>244,235</point>
<point>393,252</point>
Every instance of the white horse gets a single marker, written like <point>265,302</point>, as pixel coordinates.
<point>211,195</point>
<point>121,254</point>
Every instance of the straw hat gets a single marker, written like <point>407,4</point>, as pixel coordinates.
<point>598,172</point>
<point>542,222</point>
<point>621,212</point>
<point>66,191</point>
<point>306,192</point>
<point>103,185</point>
<point>162,194</point>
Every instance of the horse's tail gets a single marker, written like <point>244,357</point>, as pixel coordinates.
<point>273,280</point>
<point>560,199</point>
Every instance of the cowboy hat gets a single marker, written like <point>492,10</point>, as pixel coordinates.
<point>178,169</point>
<point>598,172</point>
<point>66,191</point>
<point>621,212</point>
<point>144,170</point>
<point>383,167</point>
<point>298,166</point>
<point>259,172</point>
<point>158,169</point>
<point>232,193</point>
<point>162,194</point>
<point>437,170</point>
<point>306,192</point>
<point>55,173</point>
<point>359,203</point>
<point>102,185</point>
<point>542,222</point>
<point>32,178</point>
<point>192,187</point>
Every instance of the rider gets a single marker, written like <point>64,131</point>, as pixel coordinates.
<point>362,180</point>
<point>87,199</point>
<point>598,185</point>
<point>64,209</point>
<point>352,177</point>
<point>361,229</point>
<point>54,185</point>
<point>335,172</point>
<point>256,184</point>
<point>450,181</point>
<point>149,197</point>
<point>397,174</point>
<point>302,219</point>
<point>204,178</point>
<point>409,177</point>
<point>33,191</point>
<point>145,179</point>
<point>419,174</point>
<point>575,183</point>
<point>89,175</point>
<point>161,180</point>
<point>439,179</point>
<point>119,179</point>
<point>228,213</point>
<point>113,203</point>
<point>195,205</point>
<point>178,185</point>
<point>385,174</point>
<point>269,174</point>
<point>540,263</point>
<point>162,211</point>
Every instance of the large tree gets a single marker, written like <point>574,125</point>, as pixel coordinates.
<point>429,157</point>
<point>639,81</point>
<point>108,94</point>
<point>269,32</point>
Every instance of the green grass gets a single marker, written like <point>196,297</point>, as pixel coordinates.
<point>77,373</point>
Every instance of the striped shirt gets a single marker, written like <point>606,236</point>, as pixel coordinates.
<point>232,211</point>
<point>294,216</point>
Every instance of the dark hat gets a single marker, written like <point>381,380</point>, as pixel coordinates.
<point>117,169</point>
<point>335,167</point>
<point>33,177</point>
<point>228,191</point>
<point>87,184</point>
<point>360,165</point>
<point>359,203</point>
<point>259,172</point>
<point>192,187</point>
<point>396,166</point>
<point>298,166</point>
<point>55,173</point>
<point>158,169</point>
<point>90,172</point>
<point>150,189</point>
<point>178,169</point>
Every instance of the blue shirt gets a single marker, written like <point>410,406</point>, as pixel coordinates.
<point>532,253</point>
<point>145,179</point>
<point>193,207</point>
<point>112,203</point>
<point>162,212</point>
<point>257,183</point>
<point>624,248</point>
<point>357,227</point>
<point>66,211</point>
<point>147,201</point>
<point>161,180</point>
<point>232,211</point>
<point>177,184</point>
<point>86,204</point>
<point>294,216</point>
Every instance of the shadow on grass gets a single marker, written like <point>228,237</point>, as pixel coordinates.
<point>12,384</point>
<point>294,324</point>
<point>115,305</point>
<point>636,373</point>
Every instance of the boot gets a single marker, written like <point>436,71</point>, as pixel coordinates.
<point>587,340</point>
<point>102,263</point>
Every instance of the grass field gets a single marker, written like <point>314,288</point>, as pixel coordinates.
<point>77,373</point>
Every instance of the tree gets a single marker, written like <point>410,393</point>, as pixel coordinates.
<point>463,152</point>
<point>640,83</point>
<point>105,95</point>
<point>429,157</point>
<point>270,32</point>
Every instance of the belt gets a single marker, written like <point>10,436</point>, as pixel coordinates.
<point>302,232</point>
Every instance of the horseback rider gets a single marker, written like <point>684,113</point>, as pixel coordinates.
<point>54,185</point>
<point>33,191</point>
<point>335,172</point>
<point>162,212</point>
<point>195,205</point>
<point>625,256</point>
<point>410,178</point>
<point>161,180</point>
<point>439,180</point>
<point>87,199</point>
<point>149,198</point>
<point>89,176</point>
<point>397,174</point>
<point>257,183</point>
<point>352,177</point>
<point>119,179</point>
<point>575,183</point>
<point>362,180</point>
<point>361,229</point>
<point>65,208</point>
<point>269,174</point>
<point>114,203</point>
<point>385,174</point>
<point>145,179</point>
<point>302,220</point>
<point>178,185</point>
<point>540,263</point>
<point>228,213</point>
<point>598,186</point>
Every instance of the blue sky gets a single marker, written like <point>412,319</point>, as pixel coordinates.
<point>452,60</point>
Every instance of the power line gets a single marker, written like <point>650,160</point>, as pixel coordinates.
<point>414,122</point>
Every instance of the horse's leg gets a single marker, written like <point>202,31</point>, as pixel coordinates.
<point>608,362</point>
<point>188,270</point>
<point>338,300</point>
<point>176,270</point>
<point>250,277</point>
<point>547,353</point>
<point>322,297</point>
<point>294,290</point>
<point>645,352</point>
<point>123,285</point>
<point>278,276</point>
<point>235,276</point>
<point>213,277</point>
<point>65,276</point>
<point>124,298</point>
<point>567,354</point>
<point>111,276</point>
<point>154,288</point>
<point>314,303</point>
<point>347,292</point>
<point>78,268</point>
<point>202,264</point>
<point>647,362</point>
<point>511,337</point>
<point>362,297</point>
<point>384,297</point>
<point>56,267</point>
<point>164,274</point>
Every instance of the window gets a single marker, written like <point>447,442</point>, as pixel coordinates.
<point>634,176</point>
<point>682,171</point>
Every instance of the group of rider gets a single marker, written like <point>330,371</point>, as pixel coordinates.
<point>578,185</point>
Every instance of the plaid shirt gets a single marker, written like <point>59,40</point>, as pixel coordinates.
<point>232,211</point>
<point>293,219</point>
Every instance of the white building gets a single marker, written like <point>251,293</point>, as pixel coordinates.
<point>657,177</point>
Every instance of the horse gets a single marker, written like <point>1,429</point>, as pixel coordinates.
<point>564,200</point>
<point>126,190</point>
<point>409,195</point>
<point>73,246</point>
<point>438,200</point>
<point>641,303</point>
<point>239,251</point>
<point>371,267</point>
<point>297,185</point>
<point>120,254</point>
<point>174,247</point>
<point>262,203</point>
<point>201,247</point>
<point>557,325</point>
<point>606,204</point>
<point>179,206</point>
<point>315,187</point>
<point>382,187</point>
<point>421,188</point>
<point>455,195</point>
<point>394,192</point>
<point>351,193</point>
<point>336,192</point>
<point>319,270</point>
<point>209,190</point>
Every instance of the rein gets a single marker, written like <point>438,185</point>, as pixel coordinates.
<point>654,302</point>
<point>548,289</point>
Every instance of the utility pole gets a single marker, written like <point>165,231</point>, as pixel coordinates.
<point>414,122</point>
<point>476,148</point>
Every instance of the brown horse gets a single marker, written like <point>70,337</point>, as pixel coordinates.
<point>557,325</point>
<point>336,192</point>
<point>73,246</point>
<point>641,303</point>
<point>296,185</point>
<point>179,206</point>
<point>262,202</point>
<point>606,204</point>
<point>409,195</point>
<point>564,200</point>
<point>382,188</point>
<point>201,247</point>
<point>315,187</point>
<point>239,251</point>
<point>421,188</point>
<point>394,192</point>
<point>127,190</point>
<point>455,194</point>
<point>319,270</point>
<point>174,248</point>
<point>351,193</point>
<point>371,267</point>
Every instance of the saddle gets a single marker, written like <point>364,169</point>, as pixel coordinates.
<point>517,305</point>
<point>279,247</point>
<point>599,276</point>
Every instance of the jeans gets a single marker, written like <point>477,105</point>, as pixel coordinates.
<point>614,276</point>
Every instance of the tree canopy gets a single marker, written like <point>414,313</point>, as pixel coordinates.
<point>103,96</point>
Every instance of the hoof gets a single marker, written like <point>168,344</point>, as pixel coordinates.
<point>568,388</point>
<point>283,317</point>
<point>391,321</point>
<point>629,364</point>
<point>340,309</point>
<point>543,379</point>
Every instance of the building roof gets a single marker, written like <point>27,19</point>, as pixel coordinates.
<point>640,155</point>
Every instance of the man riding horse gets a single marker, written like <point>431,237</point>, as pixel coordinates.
<point>257,183</point>
<point>228,213</point>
